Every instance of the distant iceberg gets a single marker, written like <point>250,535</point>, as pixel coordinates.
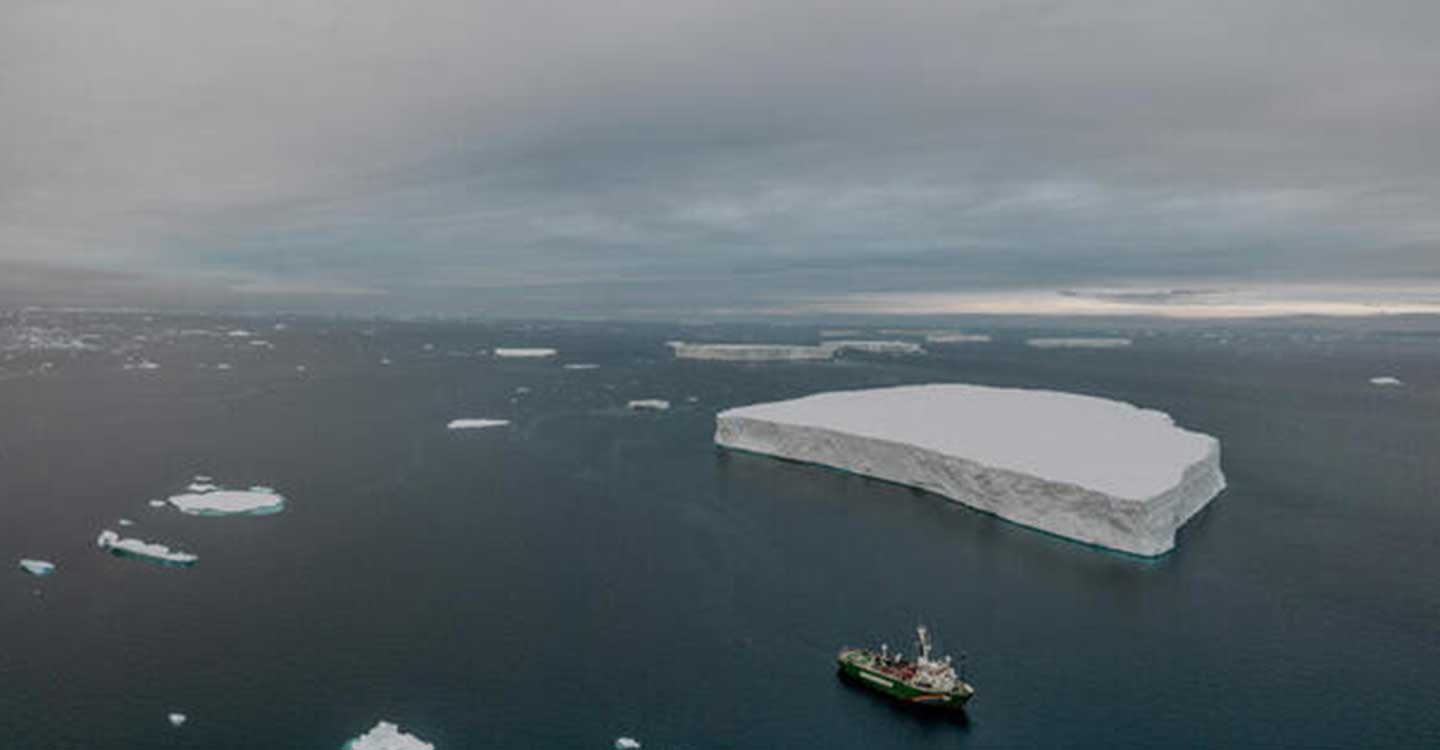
<point>651,404</point>
<point>1089,469</point>
<point>475,424</point>
<point>627,743</point>
<point>581,366</point>
<point>524,353</point>
<point>207,499</point>
<point>123,547</point>
<point>387,736</point>
<point>177,719</point>
<point>1386,380</point>
<point>750,352</point>
<point>39,568</point>
<point>880,346</point>
<point>957,338</point>
<point>1102,342</point>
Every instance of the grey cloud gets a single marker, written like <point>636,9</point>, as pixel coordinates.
<point>367,153</point>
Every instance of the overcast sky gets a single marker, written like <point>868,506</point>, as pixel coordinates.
<point>658,156</point>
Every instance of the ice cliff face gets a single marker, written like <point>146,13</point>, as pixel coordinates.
<point>1089,469</point>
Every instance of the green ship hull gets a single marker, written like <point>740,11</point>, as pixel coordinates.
<point>867,668</point>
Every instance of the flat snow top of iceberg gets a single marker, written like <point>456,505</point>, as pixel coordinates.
<point>208,499</point>
<point>387,736</point>
<point>1102,445</point>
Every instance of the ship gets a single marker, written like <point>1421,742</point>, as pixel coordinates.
<point>924,681</point>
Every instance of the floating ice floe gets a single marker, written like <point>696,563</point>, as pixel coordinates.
<point>874,347</point>
<point>177,719</point>
<point>1098,471</point>
<point>384,360</point>
<point>1099,342</point>
<point>651,404</point>
<point>957,338</point>
<point>840,333</point>
<point>35,567</point>
<point>581,366</point>
<point>206,499</point>
<point>750,352</point>
<point>125,522</point>
<point>387,736</point>
<point>157,503</point>
<point>627,743</point>
<point>524,353</point>
<point>223,366</point>
<point>144,364</point>
<point>123,547</point>
<point>475,424</point>
<point>1386,380</point>
<point>239,333</point>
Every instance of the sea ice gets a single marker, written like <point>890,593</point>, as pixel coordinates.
<point>1098,471</point>
<point>123,547</point>
<point>1386,380</point>
<point>37,567</point>
<point>387,736</point>
<point>475,424</point>
<point>1102,342</point>
<point>206,499</point>
<point>524,353</point>
<point>627,743</point>
<point>177,719</point>
<point>750,352</point>
<point>652,404</point>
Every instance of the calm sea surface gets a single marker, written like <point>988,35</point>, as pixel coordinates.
<point>590,572</point>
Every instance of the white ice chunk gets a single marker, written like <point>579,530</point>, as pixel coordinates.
<point>177,719</point>
<point>475,424</point>
<point>198,486</point>
<point>212,500</point>
<point>37,567</point>
<point>524,353</point>
<point>125,522</point>
<point>223,366</point>
<point>1098,471</point>
<point>581,366</point>
<point>1100,342</point>
<point>750,352</point>
<point>387,736</point>
<point>123,547</point>
<point>627,743</point>
<point>239,333</point>
<point>1386,380</point>
<point>652,404</point>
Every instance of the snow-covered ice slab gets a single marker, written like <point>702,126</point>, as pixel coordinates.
<point>957,338</point>
<point>475,424</point>
<point>208,499</point>
<point>524,353</point>
<point>387,736</point>
<point>750,352</point>
<point>627,743</point>
<point>652,404</point>
<point>123,547</point>
<point>35,567</point>
<point>1101,342</point>
<point>1098,471</point>
<point>1386,380</point>
<point>581,366</point>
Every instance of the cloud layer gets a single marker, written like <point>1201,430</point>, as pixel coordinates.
<point>643,156</point>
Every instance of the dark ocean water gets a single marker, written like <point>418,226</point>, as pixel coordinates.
<point>591,572</point>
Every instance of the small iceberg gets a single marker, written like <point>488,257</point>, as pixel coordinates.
<point>627,743</point>
<point>177,719</point>
<point>206,499</point>
<point>122,547</point>
<point>475,424</point>
<point>387,736</point>
<point>125,522</point>
<point>524,353</point>
<point>957,338</point>
<point>1386,380</point>
<point>651,404</point>
<point>157,503</point>
<point>38,568</point>
<point>581,366</point>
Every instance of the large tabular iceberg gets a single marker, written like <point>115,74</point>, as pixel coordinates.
<point>206,499</point>
<point>1090,469</point>
<point>750,352</point>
